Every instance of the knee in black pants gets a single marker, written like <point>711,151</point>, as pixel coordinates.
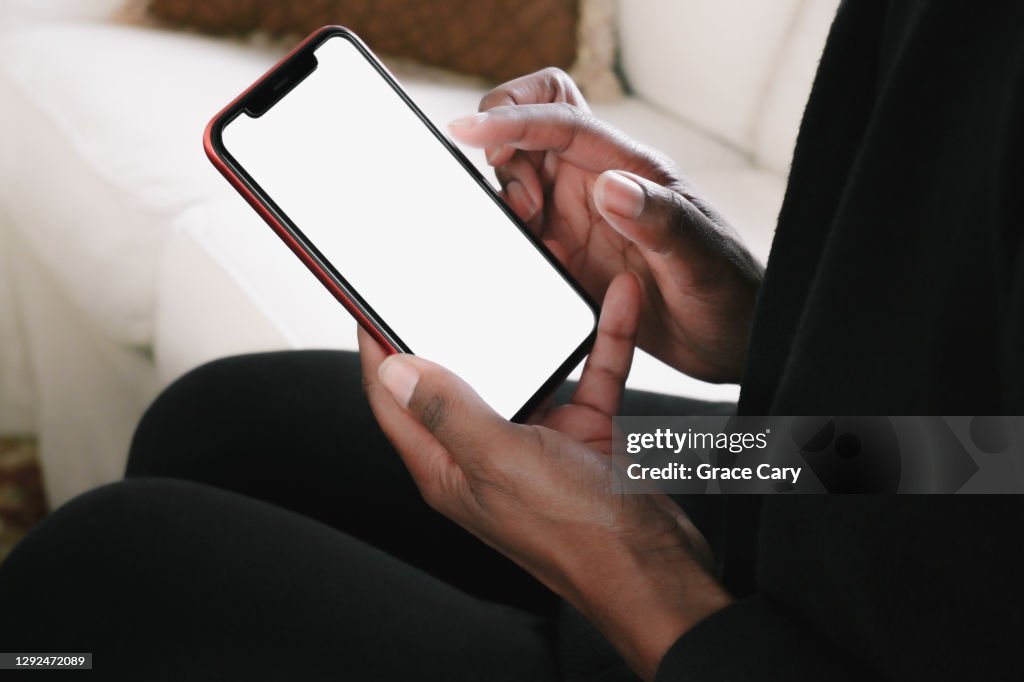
<point>240,410</point>
<point>294,429</point>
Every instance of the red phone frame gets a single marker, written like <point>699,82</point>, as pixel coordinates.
<point>214,126</point>
<point>361,311</point>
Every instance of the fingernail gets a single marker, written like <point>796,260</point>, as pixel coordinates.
<point>493,153</point>
<point>620,195</point>
<point>467,122</point>
<point>521,198</point>
<point>400,377</point>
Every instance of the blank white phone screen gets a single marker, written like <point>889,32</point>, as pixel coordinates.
<point>362,177</point>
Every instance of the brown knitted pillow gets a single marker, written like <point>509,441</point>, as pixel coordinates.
<point>496,39</point>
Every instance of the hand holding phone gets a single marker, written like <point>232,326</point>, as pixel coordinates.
<point>399,225</point>
<point>610,204</point>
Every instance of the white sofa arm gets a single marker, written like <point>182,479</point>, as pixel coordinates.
<point>707,61</point>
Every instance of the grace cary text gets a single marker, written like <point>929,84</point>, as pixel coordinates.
<point>707,472</point>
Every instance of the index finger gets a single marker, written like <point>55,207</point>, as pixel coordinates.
<point>541,87</point>
<point>574,134</point>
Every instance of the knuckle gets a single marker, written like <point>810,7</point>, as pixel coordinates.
<point>576,121</point>
<point>504,175</point>
<point>434,412</point>
<point>679,220</point>
<point>651,163</point>
<point>497,471</point>
<point>441,409</point>
<point>441,489</point>
<point>431,494</point>
<point>493,98</point>
<point>606,371</point>
<point>666,169</point>
<point>557,80</point>
<point>438,496</point>
<point>436,492</point>
<point>560,85</point>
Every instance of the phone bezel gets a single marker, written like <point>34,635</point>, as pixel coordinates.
<point>319,265</point>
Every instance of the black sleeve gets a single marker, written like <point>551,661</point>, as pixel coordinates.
<point>1006,214</point>
<point>871,587</point>
<point>1013,343</point>
<point>1009,211</point>
<point>753,641</point>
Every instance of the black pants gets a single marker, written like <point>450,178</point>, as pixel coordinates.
<point>267,530</point>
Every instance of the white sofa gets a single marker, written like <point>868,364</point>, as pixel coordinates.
<point>125,260</point>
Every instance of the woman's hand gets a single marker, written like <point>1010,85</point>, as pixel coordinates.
<point>605,204</point>
<point>542,493</point>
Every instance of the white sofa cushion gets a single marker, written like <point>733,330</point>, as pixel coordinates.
<point>120,149</point>
<point>706,61</point>
<point>227,285</point>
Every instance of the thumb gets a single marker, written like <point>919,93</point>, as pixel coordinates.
<point>457,417</point>
<point>653,217</point>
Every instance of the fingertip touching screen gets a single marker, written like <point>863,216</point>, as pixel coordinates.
<point>396,216</point>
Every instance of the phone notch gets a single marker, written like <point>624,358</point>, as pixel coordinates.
<point>272,90</point>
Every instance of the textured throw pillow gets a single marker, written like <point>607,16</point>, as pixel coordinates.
<point>495,39</point>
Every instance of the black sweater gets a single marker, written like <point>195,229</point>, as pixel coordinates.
<point>895,286</point>
<point>895,282</point>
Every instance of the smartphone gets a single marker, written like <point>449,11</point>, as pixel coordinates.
<point>399,225</point>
